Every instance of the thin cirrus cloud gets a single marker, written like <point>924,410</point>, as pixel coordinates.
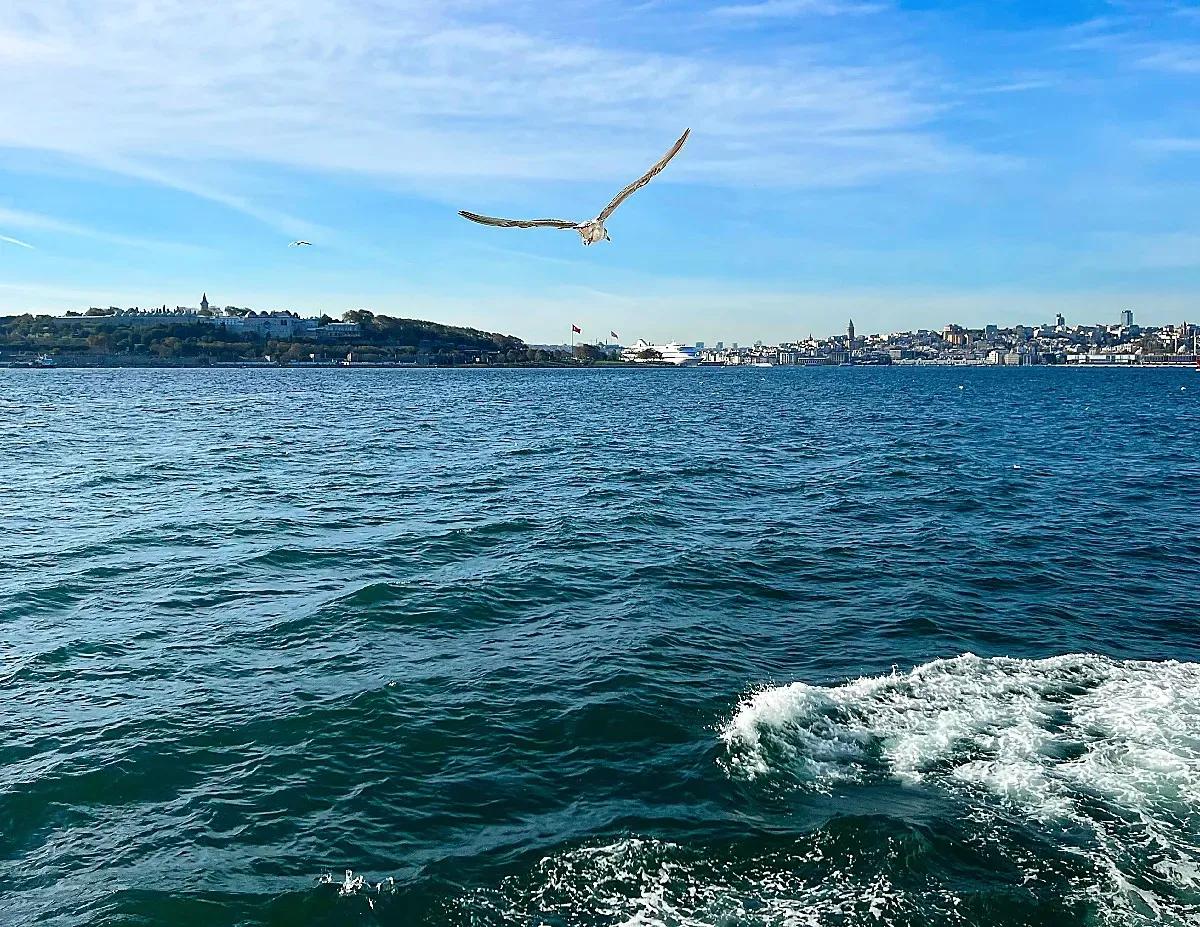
<point>1173,58</point>
<point>420,89</point>
<point>14,218</point>
<point>1169,146</point>
<point>779,9</point>
<point>16,241</point>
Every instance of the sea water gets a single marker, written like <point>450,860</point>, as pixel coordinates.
<point>599,647</point>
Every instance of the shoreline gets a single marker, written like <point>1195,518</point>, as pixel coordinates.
<point>609,365</point>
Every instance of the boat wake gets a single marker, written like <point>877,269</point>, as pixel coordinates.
<point>1101,756</point>
<point>650,883</point>
<point>1063,791</point>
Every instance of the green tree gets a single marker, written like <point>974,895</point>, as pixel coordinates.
<point>168,347</point>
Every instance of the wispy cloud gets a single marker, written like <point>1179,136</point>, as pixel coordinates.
<point>780,9</point>
<point>420,88</point>
<point>1172,145</point>
<point>1171,57</point>
<point>174,176</point>
<point>16,241</point>
<point>27,220</point>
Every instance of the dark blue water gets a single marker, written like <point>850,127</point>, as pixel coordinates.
<point>648,647</point>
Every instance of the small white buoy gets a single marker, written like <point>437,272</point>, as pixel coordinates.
<point>960,387</point>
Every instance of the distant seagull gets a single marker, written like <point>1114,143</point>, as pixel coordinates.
<point>591,231</point>
<point>16,241</point>
<point>297,243</point>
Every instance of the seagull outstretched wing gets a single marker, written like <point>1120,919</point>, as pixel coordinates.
<point>296,243</point>
<point>518,223</point>
<point>644,179</point>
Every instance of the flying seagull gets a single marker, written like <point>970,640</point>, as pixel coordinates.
<point>295,243</point>
<point>593,230</point>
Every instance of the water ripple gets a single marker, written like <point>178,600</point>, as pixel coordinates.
<point>573,647</point>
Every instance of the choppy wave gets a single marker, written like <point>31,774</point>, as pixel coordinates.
<point>1102,755</point>
<point>294,627</point>
<point>637,881</point>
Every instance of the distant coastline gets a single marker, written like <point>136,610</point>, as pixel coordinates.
<point>207,337</point>
<point>90,363</point>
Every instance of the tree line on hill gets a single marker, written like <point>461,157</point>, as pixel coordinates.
<point>381,338</point>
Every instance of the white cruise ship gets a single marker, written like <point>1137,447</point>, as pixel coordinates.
<point>643,352</point>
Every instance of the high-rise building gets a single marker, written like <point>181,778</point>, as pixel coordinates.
<point>850,332</point>
<point>1059,322</point>
<point>1127,318</point>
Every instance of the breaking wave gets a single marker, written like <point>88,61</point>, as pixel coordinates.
<point>1102,756</point>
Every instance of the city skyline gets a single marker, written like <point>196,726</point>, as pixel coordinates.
<point>213,310</point>
<point>212,335</point>
<point>598,334</point>
<point>903,166</point>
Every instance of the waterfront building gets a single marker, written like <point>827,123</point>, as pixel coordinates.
<point>643,352</point>
<point>339,330</point>
<point>278,325</point>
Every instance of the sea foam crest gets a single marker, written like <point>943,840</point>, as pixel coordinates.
<point>1079,741</point>
<point>1033,731</point>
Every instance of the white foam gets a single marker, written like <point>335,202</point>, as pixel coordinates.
<point>638,882</point>
<point>1080,741</point>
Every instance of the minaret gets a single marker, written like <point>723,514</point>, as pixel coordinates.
<point>204,303</point>
<point>850,332</point>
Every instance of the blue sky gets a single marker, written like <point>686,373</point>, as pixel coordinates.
<point>909,164</point>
